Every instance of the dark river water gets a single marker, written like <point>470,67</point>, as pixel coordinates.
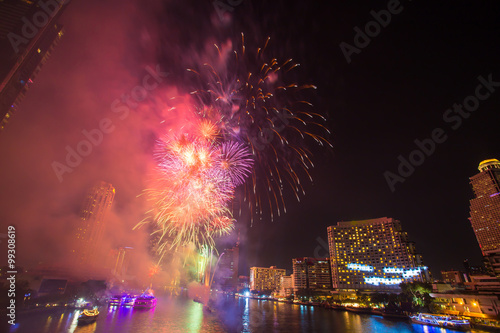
<point>180,314</point>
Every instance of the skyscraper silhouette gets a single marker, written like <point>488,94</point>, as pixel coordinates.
<point>28,34</point>
<point>90,230</point>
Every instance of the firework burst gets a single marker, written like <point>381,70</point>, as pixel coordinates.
<point>195,182</point>
<point>236,161</point>
<point>248,95</point>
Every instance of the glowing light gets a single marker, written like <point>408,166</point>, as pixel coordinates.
<point>359,267</point>
<point>394,270</point>
<point>409,273</point>
<point>379,280</point>
<point>195,181</point>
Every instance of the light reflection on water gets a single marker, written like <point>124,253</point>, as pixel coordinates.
<point>177,314</point>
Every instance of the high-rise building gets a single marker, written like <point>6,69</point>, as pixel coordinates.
<point>264,279</point>
<point>122,260</point>
<point>485,211</point>
<point>373,255</point>
<point>287,285</point>
<point>227,271</point>
<point>312,274</point>
<point>91,227</point>
<point>28,34</point>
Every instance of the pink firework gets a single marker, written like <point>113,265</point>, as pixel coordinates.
<point>236,161</point>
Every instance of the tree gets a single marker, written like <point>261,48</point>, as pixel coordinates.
<point>418,293</point>
<point>380,298</point>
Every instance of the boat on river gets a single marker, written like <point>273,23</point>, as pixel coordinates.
<point>444,321</point>
<point>117,300</point>
<point>129,301</point>
<point>145,301</point>
<point>88,316</point>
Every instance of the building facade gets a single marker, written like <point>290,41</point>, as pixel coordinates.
<point>266,279</point>
<point>121,262</point>
<point>373,255</point>
<point>473,305</point>
<point>485,212</point>
<point>227,271</point>
<point>287,286</point>
<point>28,35</point>
<point>452,277</point>
<point>312,274</point>
<point>90,230</point>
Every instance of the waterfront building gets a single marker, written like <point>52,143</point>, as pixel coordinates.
<point>90,230</point>
<point>243,283</point>
<point>52,287</point>
<point>452,277</point>
<point>264,279</point>
<point>485,212</point>
<point>287,286</point>
<point>485,284</point>
<point>373,255</point>
<point>312,274</point>
<point>28,35</point>
<point>471,305</point>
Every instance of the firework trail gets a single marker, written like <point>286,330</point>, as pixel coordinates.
<point>247,95</point>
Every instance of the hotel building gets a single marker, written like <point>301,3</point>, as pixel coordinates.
<point>266,279</point>
<point>485,211</point>
<point>312,274</point>
<point>373,255</point>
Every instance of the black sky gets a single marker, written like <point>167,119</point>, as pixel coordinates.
<point>394,91</point>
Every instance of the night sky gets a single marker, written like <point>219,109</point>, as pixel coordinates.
<point>394,91</point>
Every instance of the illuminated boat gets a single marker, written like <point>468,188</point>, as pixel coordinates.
<point>145,302</point>
<point>443,321</point>
<point>88,316</point>
<point>129,300</point>
<point>117,300</point>
<point>360,309</point>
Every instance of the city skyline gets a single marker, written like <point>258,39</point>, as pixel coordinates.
<point>249,165</point>
<point>377,105</point>
<point>89,232</point>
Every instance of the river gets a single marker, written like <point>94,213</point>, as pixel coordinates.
<point>180,314</point>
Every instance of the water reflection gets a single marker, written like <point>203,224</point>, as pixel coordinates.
<point>177,314</point>
<point>195,317</point>
<point>47,324</point>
